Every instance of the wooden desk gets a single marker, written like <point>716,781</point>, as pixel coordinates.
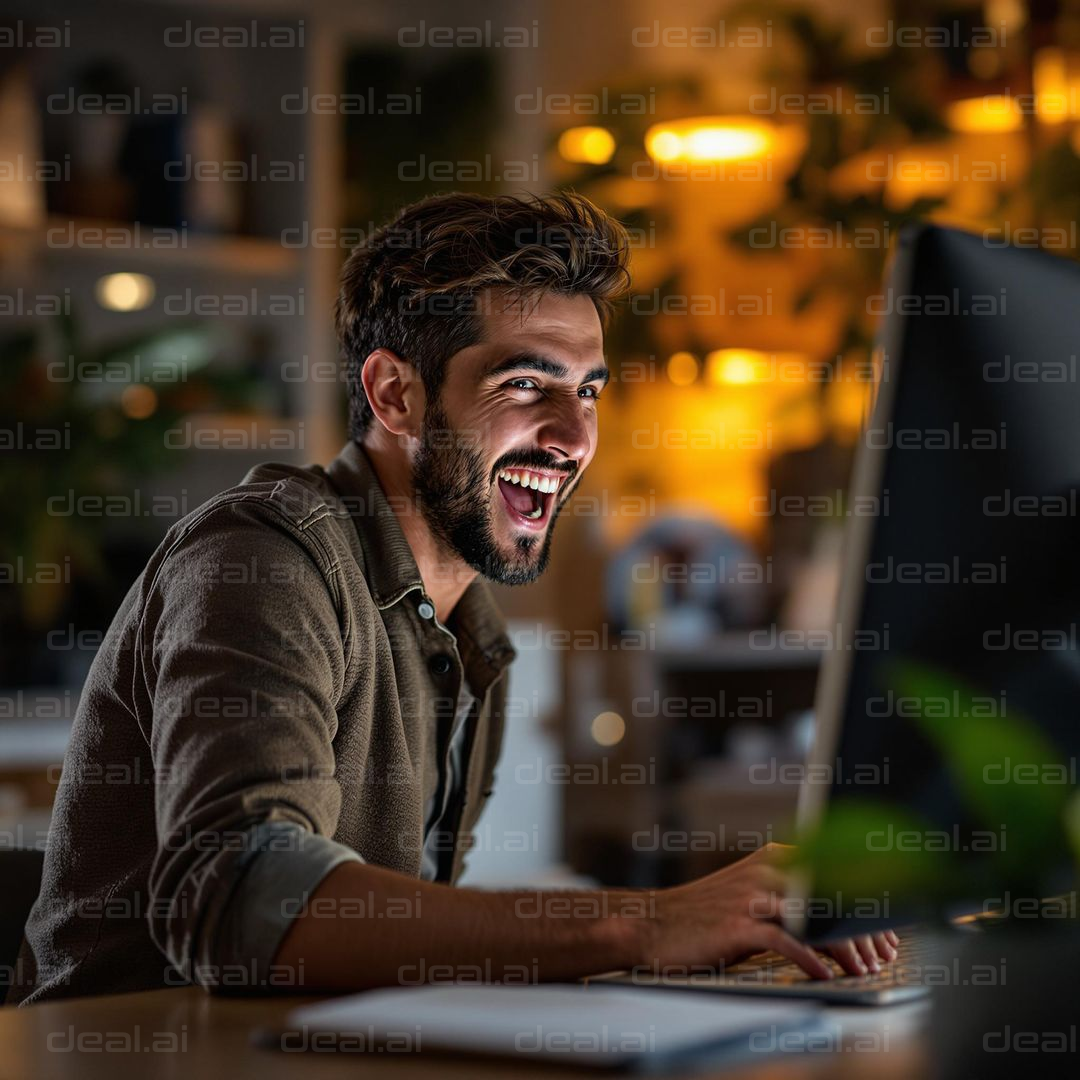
<point>189,1035</point>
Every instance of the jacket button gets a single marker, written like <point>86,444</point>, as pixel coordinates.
<point>425,610</point>
<point>439,664</point>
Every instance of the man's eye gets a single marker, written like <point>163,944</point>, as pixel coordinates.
<point>523,384</point>
<point>589,392</point>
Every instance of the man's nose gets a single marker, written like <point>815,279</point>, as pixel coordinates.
<point>564,431</point>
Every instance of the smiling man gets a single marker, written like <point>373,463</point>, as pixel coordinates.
<point>294,721</point>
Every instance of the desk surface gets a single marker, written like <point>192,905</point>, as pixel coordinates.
<point>187,1033</point>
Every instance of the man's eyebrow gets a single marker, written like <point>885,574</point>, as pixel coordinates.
<point>546,366</point>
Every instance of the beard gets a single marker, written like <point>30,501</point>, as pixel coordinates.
<point>454,491</point>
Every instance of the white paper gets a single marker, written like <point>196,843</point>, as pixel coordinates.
<point>584,1025</point>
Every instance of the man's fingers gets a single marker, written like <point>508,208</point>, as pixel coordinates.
<point>847,956</point>
<point>862,954</point>
<point>893,938</point>
<point>778,939</point>
<point>865,944</point>
<point>885,948</point>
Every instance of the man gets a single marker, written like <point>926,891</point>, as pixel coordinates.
<point>301,696</point>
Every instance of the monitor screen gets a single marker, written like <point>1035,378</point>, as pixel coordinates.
<point>948,711</point>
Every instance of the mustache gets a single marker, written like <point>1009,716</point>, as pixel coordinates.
<point>533,459</point>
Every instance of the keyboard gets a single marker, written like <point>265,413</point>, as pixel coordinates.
<point>771,974</point>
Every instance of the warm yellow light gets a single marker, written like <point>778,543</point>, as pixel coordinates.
<point>798,424</point>
<point>708,139</point>
<point>734,367</point>
<point>1008,13</point>
<point>993,112</point>
<point>682,368</point>
<point>588,145</point>
<point>847,406</point>
<point>1050,78</point>
<point>663,145</point>
<point>725,143</point>
<point>608,729</point>
<point>138,401</point>
<point>124,292</point>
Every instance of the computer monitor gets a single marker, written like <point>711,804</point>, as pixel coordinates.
<point>943,773</point>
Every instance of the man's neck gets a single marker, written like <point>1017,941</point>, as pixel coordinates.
<point>445,575</point>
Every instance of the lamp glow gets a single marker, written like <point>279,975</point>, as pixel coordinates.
<point>682,368</point>
<point>608,729</point>
<point>1050,79</point>
<point>124,292</point>
<point>587,145</point>
<point>1009,13</point>
<point>734,367</point>
<point>708,139</point>
<point>991,113</point>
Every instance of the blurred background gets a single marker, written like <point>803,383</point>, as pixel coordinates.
<point>180,182</point>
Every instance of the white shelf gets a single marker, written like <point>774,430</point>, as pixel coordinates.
<point>143,246</point>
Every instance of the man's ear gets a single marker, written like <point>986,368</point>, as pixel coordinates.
<point>395,392</point>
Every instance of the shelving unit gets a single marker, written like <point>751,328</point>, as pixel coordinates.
<point>62,238</point>
<point>64,255</point>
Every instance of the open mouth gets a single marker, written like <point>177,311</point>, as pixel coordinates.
<point>529,495</point>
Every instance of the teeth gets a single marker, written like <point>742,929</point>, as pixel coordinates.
<point>545,484</point>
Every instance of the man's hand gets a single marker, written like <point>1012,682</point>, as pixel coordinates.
<point>434,931</point>
<point>729,915</point>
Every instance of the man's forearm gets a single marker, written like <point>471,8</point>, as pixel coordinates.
<point>366,926</point>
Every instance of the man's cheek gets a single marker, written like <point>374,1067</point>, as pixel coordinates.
<point>491,422</point>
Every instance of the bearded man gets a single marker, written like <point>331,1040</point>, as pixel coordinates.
<point>295,717</point>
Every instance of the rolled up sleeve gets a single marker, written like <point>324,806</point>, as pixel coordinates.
<point>270,892</point>
<point>243,659</point>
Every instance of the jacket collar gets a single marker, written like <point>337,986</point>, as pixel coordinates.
<point>391,570</point>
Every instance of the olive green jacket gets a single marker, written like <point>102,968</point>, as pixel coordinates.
<point>269,702</point>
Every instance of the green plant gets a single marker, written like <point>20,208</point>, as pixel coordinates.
<point>90,419</point>
<point>901,89</point>
<point>869,847</point>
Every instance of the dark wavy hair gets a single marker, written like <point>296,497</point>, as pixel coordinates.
<point>414,286</point>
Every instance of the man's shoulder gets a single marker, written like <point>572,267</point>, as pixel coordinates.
<point>295,502</point>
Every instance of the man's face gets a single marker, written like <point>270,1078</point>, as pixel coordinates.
<point>512,432</point>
